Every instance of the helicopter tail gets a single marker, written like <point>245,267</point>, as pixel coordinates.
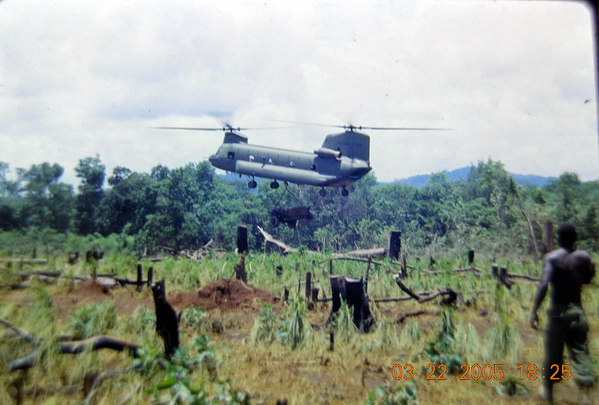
<point>350,143</point>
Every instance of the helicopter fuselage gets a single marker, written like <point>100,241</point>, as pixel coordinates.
<point>325,167</point>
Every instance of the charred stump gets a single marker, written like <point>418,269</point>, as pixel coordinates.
<point>351,290</point>
<point>73,258</point>
<point>242,239</point>
<point>394,245</point>
<point>167,321</point>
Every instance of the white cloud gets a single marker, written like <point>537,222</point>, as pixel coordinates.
<point>510,78</point>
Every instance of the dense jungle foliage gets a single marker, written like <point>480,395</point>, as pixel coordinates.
<point>186,207</point>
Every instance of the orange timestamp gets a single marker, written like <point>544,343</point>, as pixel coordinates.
<point>476,372</point>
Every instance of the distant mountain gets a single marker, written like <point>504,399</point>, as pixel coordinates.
<point>422,179</point>
<point>461,174</point>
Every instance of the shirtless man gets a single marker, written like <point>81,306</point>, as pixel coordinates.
<point>566,270</point>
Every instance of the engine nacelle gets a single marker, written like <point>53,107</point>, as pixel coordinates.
<point>328,153</point>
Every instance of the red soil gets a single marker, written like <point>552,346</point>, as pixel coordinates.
<point>226,295</point>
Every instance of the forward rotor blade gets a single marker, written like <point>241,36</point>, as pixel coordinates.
<point>224,129</point>
<point>194,128</point>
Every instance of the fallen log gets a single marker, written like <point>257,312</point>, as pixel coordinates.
<point>25,261</point>
<point>98,343</point>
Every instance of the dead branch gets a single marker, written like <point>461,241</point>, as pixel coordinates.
<point>402,318</point>
<point>20,332</point>
<point>38,391</point>
<point>269,239</point>
<point>93,343</point>
<point>364,253</point>
<point>405,289</point>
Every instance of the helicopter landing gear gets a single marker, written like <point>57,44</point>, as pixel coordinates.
<point>322,192</point>
<point>344,192</point>
<point>274,185</point>
<point>252,184</point>
<point>274,220</point>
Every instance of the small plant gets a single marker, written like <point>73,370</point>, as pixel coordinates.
<point>266,326</point>
<point>94,319</point>
<point>511,386</point>
<point>197,318</point>
<point>400,395</point>
<point>440,350</point>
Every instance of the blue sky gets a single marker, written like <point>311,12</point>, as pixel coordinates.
<point>514,81</point>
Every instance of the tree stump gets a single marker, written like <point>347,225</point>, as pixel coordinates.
<point>351,290</point>
<point>167,321</point>
<point>240,273</point>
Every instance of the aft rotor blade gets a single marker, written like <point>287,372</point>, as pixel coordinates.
<point>360,127</point>
<point>399,128</point>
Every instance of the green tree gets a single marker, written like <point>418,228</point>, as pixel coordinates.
<point>91,171</point>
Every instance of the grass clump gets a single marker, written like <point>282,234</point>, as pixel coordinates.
<point>467,342</point>
<point>504,340</point>
<point>342,323</point>
<point>292,331</point>
<point>297,329</point>
<point>410,334</point>
<point>386,335</point>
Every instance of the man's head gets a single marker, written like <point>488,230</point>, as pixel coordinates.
<point>566,235</point>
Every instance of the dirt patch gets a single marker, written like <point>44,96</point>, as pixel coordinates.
<point>89,292</point>
<point>225,295</point>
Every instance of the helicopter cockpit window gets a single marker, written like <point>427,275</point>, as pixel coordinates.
<point>231,155</point>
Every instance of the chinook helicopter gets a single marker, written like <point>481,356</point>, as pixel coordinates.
<point>342,159</point>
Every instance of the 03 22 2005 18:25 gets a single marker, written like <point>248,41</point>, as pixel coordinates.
<point>476,371</point>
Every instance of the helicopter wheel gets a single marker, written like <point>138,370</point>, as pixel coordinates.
<point>274,185</point>
<point>322,192</point>
<point>252,184</point>
<point>345,192</point>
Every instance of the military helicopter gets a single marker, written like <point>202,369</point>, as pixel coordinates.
<point>342,159</point>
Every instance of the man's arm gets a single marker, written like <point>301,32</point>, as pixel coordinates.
<point>541,292</point>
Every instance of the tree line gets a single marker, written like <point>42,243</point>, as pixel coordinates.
<point>185,207</point>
